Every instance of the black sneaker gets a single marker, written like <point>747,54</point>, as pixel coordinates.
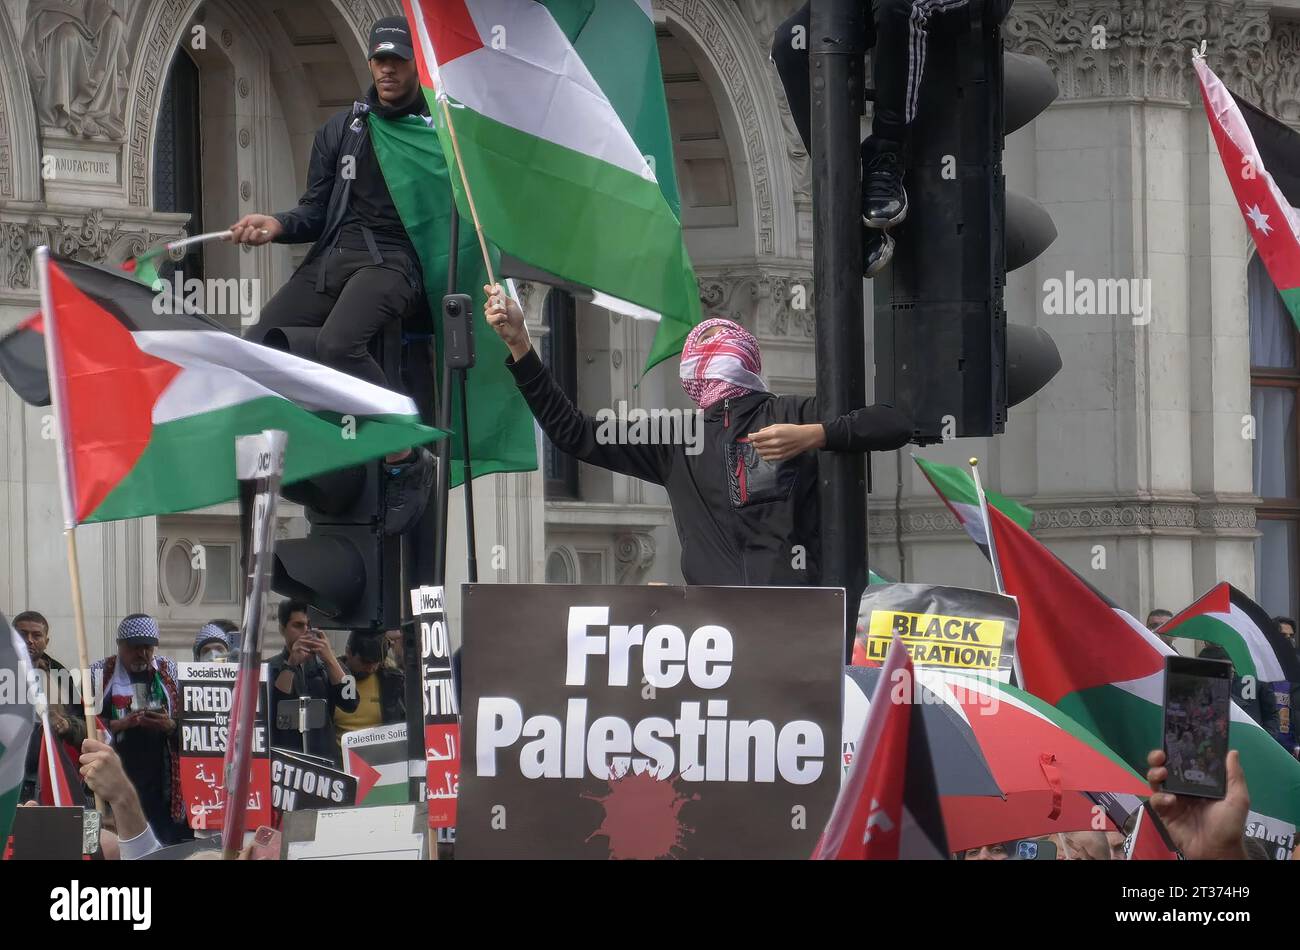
<point>877,251</point>
<point>884,200</point>
<point>407,490</point>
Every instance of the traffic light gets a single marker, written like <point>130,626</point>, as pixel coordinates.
<point>346,568</point>
<point>944,351</point>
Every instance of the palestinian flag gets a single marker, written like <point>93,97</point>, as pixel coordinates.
<point>377,757</point>
<point>1246,632</point>
<point>16,719</point>
<point>957,489</point>
<point>558,118</point>
<point>1096,663</point>
<point>1271,221</point>
<point>59,781</point>
<point>501,427</point>
<point>149,405</point>
<point>888,806</point>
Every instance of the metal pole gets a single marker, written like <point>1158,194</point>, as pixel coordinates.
<point>836,63</point>
<point>442,484</point>
<point>471,546</point>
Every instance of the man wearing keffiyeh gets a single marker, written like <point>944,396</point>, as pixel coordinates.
<point>140,706</point>
<point>745,500</point>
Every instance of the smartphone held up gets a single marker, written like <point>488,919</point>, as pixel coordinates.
<point>1197,709</point>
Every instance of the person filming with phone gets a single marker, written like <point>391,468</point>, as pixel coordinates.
<point>307,673</point>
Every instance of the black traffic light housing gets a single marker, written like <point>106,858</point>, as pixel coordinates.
<point>941,333</point>
<point>346,568</point>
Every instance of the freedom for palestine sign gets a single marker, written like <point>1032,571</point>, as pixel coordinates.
<point>649,722</point>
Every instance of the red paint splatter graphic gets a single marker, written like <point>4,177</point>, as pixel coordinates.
<point>641,817</point>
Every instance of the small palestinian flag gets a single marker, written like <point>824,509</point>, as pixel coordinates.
<point>16,722</point>
<point>888,806</point>
<point>377,757</point>
<point>1247,634</point>
<point>957,489</point>
<point>149,405</point>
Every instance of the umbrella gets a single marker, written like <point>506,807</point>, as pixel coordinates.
<point>1007,764</point>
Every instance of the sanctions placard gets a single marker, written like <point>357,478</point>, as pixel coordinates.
<point>441,714</point>
<point>207,696</point>
<point>649,722</point>
<point>954,627</point>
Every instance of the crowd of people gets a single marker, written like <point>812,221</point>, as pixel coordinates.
<point>134,767</point>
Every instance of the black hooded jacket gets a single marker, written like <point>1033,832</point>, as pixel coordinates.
<point>742,521</point>
<point>323,207</point>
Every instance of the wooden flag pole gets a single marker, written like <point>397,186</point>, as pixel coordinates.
<point>469,195</point>
<point>69,518</point>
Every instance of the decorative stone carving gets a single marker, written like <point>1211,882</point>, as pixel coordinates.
<point>764,16</point>
<point>766,301</point>
<point>91,238</point>
<point>1147,44</point>
<point>1153,517</point>
<point>634,554</point>
<point>157,54</point>
<point>1279,79</point>
<point>702,19</point>
<point>78,63</point>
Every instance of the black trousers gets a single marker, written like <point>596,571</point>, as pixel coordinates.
<point>356,300</point>
<point>897,37</point>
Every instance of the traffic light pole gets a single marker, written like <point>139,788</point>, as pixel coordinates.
<point>835,54</point>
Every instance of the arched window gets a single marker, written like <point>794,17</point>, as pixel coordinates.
<point>177,157</point>
<point>1275,406</point>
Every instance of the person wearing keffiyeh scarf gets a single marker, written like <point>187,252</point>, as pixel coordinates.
<point>140,707</point>
<point>742,480</point>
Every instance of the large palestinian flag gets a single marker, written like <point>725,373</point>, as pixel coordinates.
<point>1273,224</point>
<point>1093,661</point>
<point>1244,629</point>
<point>559,124</point>
<point>149,405</point>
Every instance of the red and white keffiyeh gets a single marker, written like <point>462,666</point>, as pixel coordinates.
<point>725,366</point>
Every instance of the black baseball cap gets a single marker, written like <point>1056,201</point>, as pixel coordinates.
<point>390,37</point>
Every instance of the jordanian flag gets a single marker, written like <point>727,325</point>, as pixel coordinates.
<point>957,489</point>
<point>1271,221</point>
<point>1246,632</point>
<point>149,405</point>
<point>16,719</point>
<point>1096,663</point>
<point>555,111</point>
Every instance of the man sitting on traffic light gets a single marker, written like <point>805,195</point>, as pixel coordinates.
<point>362,271</point>
<point>744,490</point>
<point>897,38</point>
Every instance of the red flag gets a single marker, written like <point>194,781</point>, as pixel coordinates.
<point>1146,843</point>
<point>888,807</point>
<point>59,783</point>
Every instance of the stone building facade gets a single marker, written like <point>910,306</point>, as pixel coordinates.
<point>126,121</point>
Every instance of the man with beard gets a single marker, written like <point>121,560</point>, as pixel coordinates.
<point>381,688</point>
<point>362,271</point>
<point>139,707</point>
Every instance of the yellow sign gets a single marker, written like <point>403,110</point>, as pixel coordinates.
<point>967,643</point>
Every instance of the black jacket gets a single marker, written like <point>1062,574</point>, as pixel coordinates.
<point>741,520</point>
<point>323,206</point>
<point>311,680</point>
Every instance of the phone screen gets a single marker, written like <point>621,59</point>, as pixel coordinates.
<point>1198,694</point>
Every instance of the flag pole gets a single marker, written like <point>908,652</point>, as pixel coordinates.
<point>65,486</point>
<point>988,529</point>
<point>469,195</point>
